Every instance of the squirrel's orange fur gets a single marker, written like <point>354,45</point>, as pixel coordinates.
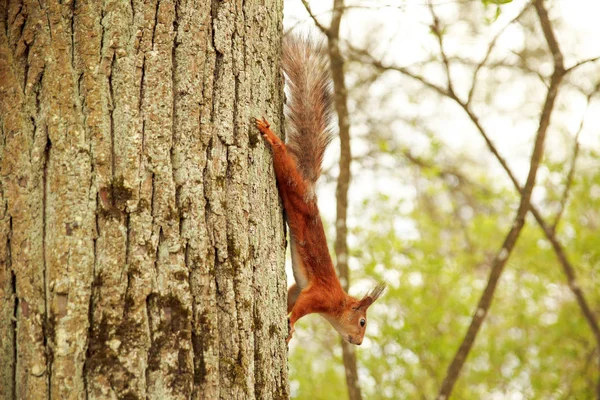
<point>297,167</point>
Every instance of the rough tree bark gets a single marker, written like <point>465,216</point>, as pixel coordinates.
<point>141,236</point>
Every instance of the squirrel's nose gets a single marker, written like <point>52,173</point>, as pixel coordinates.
<point>351,340</point>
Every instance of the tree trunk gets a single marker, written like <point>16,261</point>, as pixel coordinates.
<point>141,236</point>
<point>343,184</point>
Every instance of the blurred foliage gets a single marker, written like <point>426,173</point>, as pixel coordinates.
<point>497,8</point>
<point>430,208</point>
<point>534,341</point>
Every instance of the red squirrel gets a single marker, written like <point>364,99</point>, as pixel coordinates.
<point>297,165</point>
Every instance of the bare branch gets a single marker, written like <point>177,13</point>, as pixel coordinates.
<point>569,182</point>
<point>314,18</point>
<point>566,265</point>
<point>437,31</point>
<point>494,65</point>
<point>559,68</point>
<point>559,72</point>
<point>489,51</point>
<point>533,71</point>
<point>366,57</point>
<point>503,254</point>
<point>443,173</point>
<point>580,63</point>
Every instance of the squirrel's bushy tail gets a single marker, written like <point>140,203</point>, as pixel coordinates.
<point>308,107</point>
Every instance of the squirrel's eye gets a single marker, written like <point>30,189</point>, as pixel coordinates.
<point>362,322</point>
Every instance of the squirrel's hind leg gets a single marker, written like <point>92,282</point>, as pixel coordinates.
<point>293,293</point>
<point>308,301</point>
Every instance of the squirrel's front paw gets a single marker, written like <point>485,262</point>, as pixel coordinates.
<point>263,126</point>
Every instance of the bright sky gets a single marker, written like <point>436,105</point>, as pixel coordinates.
<point>400,35</point>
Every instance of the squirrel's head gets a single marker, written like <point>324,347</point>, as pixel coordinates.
<point>351,323</point>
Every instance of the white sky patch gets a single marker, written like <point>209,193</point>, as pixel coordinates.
<point>404,39</point>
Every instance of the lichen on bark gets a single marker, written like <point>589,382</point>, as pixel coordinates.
<point>141,235</point>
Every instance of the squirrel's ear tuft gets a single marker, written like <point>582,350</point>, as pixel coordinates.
<point>373,295</point>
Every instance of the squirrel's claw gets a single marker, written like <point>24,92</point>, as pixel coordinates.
<point>290,331</point>
<point>287,340</point>
<point>263,126</point>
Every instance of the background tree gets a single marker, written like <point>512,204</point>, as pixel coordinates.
<point>340,95</point>
<point>141,244</point>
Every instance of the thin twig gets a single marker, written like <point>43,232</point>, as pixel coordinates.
<point>314,18</point>
<point>490,49</point>
<point>497,64</point>
<point>580,63</point>
<point>443,173</point>
<point>366,57</point>
<point>437,31</point>
<point>533,71</point>
<point>569,182</point>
